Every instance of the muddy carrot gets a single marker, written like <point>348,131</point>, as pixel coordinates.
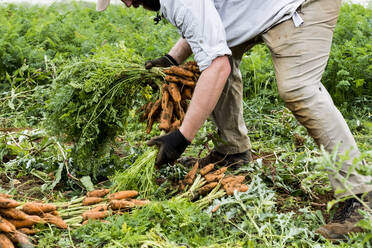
<point>175,125</point>
<point>121,204</point>
<point>5,241</point>
<point>206,169</point>
<point>13,213</point>
<point>99,208</point>
<point>56,220</point>
<point>152,115</point>
<point>95,215</point>
<point>213,178</point>
<point>8,203</point>
<point>174,79</point>
<point>30,221</point>
<point>174,92</point>
<point>166,117</point>
<point>181,72</point>
<point>28,231</point>
<point>180,113</point>
<point>189,178</point>
<point>98,193</point>
<point>187,93</point>
<point>6,226</point>
<point>207,188</point>
<point>123,195</point>
<point>91,200</point>
<point>164,96</point>
<point>229,179</point>
<point>38,208</point>
<point>20,239</point>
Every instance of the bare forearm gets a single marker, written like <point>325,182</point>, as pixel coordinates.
<point>180,51</point>
<point>205,97</point>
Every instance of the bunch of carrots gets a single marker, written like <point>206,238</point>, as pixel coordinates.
<point>169,110</point>
<point>18,220</point>
<point>212,178</point>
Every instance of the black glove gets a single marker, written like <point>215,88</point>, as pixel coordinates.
<point>165,61</point>
<point>171,146</point>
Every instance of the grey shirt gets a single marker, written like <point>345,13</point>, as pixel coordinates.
<point>212,26</point>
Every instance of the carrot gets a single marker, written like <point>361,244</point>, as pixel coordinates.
<point>189,178</point>
<point>167,71</point>
<point>98,193</point>
<point>175,125</point>
<point>185,105</point>
<point>30,221</point>
<point>206,169</point>
<point>140,203</point>
<point>28,231</point>
<point>220,171</point>
<point>121,204</point>
<point>216,208</point>
<point>229,179</point>
<point>166,117</point>
<point>6,226</point>
<point>21,239</point>
<point>38,208</point>
<point>192,68</point>
<point>95,215</point>
<point>207,188</point>
<point>13,213</point>
<point>174,79</point>
<point>91,200</point>
<point>243,188</point>
<point>123,195</point>
<point>55,213</point>
<point>213,177</point>
<point>8,203</point>
<point>180,113</point>
<point>187,93</point>
<point>56,220</point>
<point>174,92</point>
<point>5,241</point>
<point>164,96</point>
<point>5,195</point>
<point>152,115</point>
<point>179,71</point>
<point>99,208</point>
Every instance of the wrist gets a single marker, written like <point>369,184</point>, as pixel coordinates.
<point>171,59</point>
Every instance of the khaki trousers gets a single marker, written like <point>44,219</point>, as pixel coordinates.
<point>299,55</point>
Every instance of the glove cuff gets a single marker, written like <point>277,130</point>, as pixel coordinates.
<point>171,59</point>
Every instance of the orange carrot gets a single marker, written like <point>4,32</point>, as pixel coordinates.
<point>140,203</point>
<point>189,178</point>
<point>30,221</point>
<point>95,215</point>
<point>91,200</point>
<point>166,117</point>
<point>38,208</point>
<point>174,92</point>
<point>152,115</point>
<point>123,195</point>
<point>121,204</point>
<point>56,220</point>
<point>8,203</point>
<point>21,239</point>
<point>213,178</point>
<point>6,226</point>
<point>179,71</point>
<point>206,169</point>
<point>5,241</point>
<point>98,193</point>
<point>173,79</point>
<point>99,208</point>
<point>180,113</point>
<point>216,208</point>
<point>229,179</point>
<point>13,213</point>
<point>28,231</point>
<point>2,195</point>
<point>207,188</point>
<point>175,125</point>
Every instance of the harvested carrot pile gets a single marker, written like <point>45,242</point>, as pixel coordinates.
<point>169,110</point>
<point>19,220</point>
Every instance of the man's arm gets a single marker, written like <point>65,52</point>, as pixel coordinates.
<point>205,97</point>
<point>180,51</point>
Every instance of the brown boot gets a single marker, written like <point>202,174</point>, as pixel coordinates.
<point>237,159</point>
<point>345,222</point>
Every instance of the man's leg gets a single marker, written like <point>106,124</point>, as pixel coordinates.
<point>300,55</point>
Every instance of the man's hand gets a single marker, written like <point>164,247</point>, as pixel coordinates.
<point>165,61</point>
<point>171,146</point>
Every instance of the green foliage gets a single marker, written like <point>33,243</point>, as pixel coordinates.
<point>91,99</point>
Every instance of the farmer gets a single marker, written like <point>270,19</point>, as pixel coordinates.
<point>299,36</point>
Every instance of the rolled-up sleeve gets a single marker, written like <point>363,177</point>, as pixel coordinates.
<point>200,24</point>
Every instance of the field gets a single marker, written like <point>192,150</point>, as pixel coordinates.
<point>60,136</point>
